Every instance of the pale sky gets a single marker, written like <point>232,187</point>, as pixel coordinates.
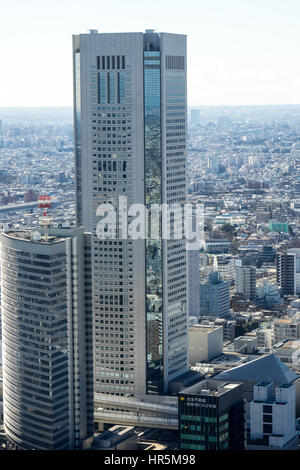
<point>239,51</point>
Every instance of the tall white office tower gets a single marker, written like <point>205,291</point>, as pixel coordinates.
<point>47,340</point>
<point>130,140</point>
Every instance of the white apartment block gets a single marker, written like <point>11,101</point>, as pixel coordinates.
<point>286,328</point>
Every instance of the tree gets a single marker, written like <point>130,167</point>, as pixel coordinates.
<point>229,230</point>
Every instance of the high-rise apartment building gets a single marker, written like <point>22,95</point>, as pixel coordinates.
<point>245,280</point>
<point>130,141</point>
<point>214,297</point>
<point>288,271</point>
<point>47,339</point>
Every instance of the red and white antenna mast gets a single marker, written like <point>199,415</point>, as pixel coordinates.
<point>45,221</point>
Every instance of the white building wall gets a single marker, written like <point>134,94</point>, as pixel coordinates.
<point>283,413</point>
<point>205,343</point>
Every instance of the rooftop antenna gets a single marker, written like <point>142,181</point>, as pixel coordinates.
<point>45,221</point>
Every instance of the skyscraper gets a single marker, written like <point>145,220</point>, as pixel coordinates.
<point>130,140</point>
<point>47,339</point>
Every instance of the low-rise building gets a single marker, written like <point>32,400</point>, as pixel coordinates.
<point>245,344</point>
<point>272,416</point>
<point>211,416</point>
<point>217,246</point>
<point>264,338</point>
<point>286,328</point>
<point>206,343</point>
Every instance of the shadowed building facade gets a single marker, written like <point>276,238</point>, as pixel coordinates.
<point>47,339</point>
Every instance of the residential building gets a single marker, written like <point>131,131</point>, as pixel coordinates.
<point>214,297</point>
<point>264,338</point>
<point>288,271</point>
<point>286,328</point>
<point>245,280</point>
<point>225,265</point>
<point>268,292</point>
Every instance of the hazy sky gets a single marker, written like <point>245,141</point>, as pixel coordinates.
<point>239,51</point>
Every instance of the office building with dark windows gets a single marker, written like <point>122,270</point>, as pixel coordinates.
<point>211,416</point>
<point>47,339</point>
<point>130,142</point>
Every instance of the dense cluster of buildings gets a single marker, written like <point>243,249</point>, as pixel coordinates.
<point>119,342</point>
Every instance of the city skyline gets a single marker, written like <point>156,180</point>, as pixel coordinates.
<point>239,53</point>
<point>117,330</point>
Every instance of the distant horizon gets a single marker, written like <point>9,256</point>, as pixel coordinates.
<point>189,106</point>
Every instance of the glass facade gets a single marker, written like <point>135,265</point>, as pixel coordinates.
<point>212,419</point>
<point>35,349</point>
<point>101,87</point>
<point>77,132</point>
<point>201,427</point>
<point>153,189</point>
<point>121,87</point>
<point>112,87</point>
<point>175,138</point>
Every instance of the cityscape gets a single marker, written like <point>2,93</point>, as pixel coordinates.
<point>120,336</point>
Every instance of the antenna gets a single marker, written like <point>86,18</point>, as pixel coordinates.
<point>45,221</point>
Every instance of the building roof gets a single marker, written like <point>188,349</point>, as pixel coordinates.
<point>203,328</point>
<point>263,369</point>
<point>210,387</point>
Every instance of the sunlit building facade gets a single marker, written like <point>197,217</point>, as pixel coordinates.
<point>130,140</point>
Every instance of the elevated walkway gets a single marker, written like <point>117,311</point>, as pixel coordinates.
<point>110,409</point>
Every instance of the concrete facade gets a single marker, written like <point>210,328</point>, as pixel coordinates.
<point>130,116</point>
<point>206,343</point>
